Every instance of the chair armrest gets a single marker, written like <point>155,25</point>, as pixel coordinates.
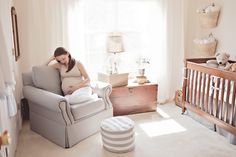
<point>53,102</point>
<point>42,97</point>
<point>103,90</point>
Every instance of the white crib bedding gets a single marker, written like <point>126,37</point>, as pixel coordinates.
<point>227,99</point>
<point>215,86</point>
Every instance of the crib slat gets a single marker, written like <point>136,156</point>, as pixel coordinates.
<point>203,91</point>
<point>227,103</point>
<point>207,92</point>
<point>199,90</point>
<point>217,85</point>
<point>222,99</point>
<point>191,87</point>
<point>212,95</point>
<point>188,84</point>
<point>233,104</point>
<point>195,88</point>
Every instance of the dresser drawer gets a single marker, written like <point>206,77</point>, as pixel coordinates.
<point>134,90</point>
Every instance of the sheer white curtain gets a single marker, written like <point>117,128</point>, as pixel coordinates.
<point>170,60</point>
<point>138,20</point>
<point>151,28</point>
<point>7,79</point>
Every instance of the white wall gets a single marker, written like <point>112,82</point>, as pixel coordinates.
<point>225,31</point>
<point>38,38</point>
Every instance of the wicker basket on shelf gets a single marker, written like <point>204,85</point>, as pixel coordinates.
<point>209,20</point>
<point>207,49</point>
<point>208,16</point>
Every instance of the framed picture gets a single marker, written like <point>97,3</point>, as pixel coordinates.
<point>15,33</point>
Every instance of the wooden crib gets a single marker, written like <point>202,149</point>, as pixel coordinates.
<point>210,93</point>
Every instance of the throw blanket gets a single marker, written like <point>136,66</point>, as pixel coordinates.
<point>81,95</point>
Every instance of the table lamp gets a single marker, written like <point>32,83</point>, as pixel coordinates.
<point>114,46</point>
<point>113,76</point>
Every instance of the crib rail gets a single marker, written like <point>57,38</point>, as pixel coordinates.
<point>210,92</point>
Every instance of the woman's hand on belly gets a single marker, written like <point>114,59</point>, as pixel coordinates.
<point>70,89</point>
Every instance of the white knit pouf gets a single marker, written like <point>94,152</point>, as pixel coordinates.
<point>118,134</point>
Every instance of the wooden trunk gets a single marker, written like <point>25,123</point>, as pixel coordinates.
<point>134,98</point>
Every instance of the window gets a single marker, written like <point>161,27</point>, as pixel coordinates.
<point>90,21</point>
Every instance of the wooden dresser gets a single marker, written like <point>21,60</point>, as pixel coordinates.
<point>134,98</point>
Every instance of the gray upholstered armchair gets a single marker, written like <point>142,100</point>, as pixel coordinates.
<point>53,117</point>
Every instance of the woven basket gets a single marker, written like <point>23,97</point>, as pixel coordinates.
<point>209,19</point>
<point>178,98</point>
<point>207,49</point>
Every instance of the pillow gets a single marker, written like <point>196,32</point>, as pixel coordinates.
<point>47,78</point>
<point>74,99</point>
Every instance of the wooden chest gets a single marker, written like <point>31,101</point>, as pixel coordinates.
<point>134,98</point>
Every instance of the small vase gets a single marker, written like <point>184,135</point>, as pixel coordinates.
<point>141,72</point>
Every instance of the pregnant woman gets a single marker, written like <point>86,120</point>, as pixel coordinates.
<point>75,80</point>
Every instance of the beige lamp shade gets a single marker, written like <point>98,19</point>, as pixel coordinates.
<point>115,43</point>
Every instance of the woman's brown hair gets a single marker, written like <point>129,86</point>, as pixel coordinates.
<point>62,51</point>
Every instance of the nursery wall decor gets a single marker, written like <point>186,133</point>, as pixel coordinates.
<point>208,15</point>
<point>206,45</point>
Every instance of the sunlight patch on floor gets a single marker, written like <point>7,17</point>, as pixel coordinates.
<point>162,113</point>
<point>163,127</point>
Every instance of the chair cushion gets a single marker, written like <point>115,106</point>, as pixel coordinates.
<point>81,99</point>
<point>47,78</point>
<point>87,109</point>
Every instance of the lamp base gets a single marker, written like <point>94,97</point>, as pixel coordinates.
<point>113,61</point>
